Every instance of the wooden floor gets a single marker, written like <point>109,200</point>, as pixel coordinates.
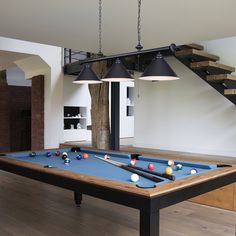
<point>31,208</point>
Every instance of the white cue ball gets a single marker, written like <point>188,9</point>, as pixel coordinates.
<point>193,171</point>
<point>134,178</point>
<point>106,157</point>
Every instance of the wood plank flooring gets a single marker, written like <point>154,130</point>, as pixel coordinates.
<point>31,208</point>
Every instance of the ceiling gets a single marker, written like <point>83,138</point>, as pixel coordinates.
<point>7,59</point>
<point>74,23</point>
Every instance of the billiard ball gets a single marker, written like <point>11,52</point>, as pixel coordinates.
<point>179,167</point>
<point>57,153</point>
<point>106,157</point>
<point>168,170</point>
<point>85,155</point>
<point>79,156</point>
<point>48,154</point>
<point>64,155</point>
<point>133,162</point>
<point>151,166</point>
<point>171,163</point>
<point>134,178</point>
<point>32,154</point>
<point>193,171</point>
<point>67,161</point>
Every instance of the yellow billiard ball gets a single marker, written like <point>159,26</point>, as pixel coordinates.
<point>168,170</point>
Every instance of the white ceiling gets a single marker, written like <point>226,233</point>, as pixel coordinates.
<point>7,59</point>
<point>74,23</point>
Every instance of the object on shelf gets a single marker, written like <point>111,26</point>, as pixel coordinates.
<point>128,101</point>
<point>72,126</point>
<point>79,126</point>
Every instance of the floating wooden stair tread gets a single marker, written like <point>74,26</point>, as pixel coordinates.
<point>194,46</point>
<point>196,55</point>
<point>220,78</point>
<point>212,67</point>
<point>230,91</point>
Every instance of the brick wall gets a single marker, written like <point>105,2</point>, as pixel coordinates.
<point>4,118</point>
<point>20,118</point>
<point>37,113</point>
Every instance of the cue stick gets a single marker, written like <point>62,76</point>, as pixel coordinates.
<point>130,169</point>
<point>163,175</point>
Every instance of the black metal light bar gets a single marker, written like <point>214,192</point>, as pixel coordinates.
<point>170,48</point>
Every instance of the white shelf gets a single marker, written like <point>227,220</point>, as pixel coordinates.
<point>75,117</point>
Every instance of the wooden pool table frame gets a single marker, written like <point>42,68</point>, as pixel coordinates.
<point>148,201</point>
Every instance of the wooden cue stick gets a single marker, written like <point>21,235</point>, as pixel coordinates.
<point>163,175</point>
<point>128,168</point>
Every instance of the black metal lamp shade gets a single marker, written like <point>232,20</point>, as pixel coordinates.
<point>117,73</point>
<point>159,70</point>
<point>87,76</point>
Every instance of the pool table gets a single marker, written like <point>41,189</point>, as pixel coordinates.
<point>101,179</point>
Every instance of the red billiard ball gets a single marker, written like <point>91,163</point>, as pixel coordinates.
<point>85,155</point>
<point>151,166</point>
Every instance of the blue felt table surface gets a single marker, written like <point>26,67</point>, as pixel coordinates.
<point>95,167</point>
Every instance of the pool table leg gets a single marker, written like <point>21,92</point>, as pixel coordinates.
<point>149,223</point>
<point>77,198</point>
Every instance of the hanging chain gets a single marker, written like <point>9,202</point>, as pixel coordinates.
<point>100,28</point>
<point>139,46</point>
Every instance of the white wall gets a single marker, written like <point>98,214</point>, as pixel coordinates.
<point>186,114</point>
<point>53,108</point>
<point>77,95</point>
<point>126,122</point>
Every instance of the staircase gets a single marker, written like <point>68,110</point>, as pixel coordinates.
<point>205,65</point>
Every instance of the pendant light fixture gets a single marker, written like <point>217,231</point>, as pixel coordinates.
<point>87,76</point>
<point>159,70</point>
<point>117,73</point>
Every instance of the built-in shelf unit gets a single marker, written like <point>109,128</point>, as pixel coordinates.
<point>75,117</point>
<point>130,101</point>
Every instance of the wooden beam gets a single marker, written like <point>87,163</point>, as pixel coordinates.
<point>212,67</point>
<point>196,55</point>
<point>220,78</point>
